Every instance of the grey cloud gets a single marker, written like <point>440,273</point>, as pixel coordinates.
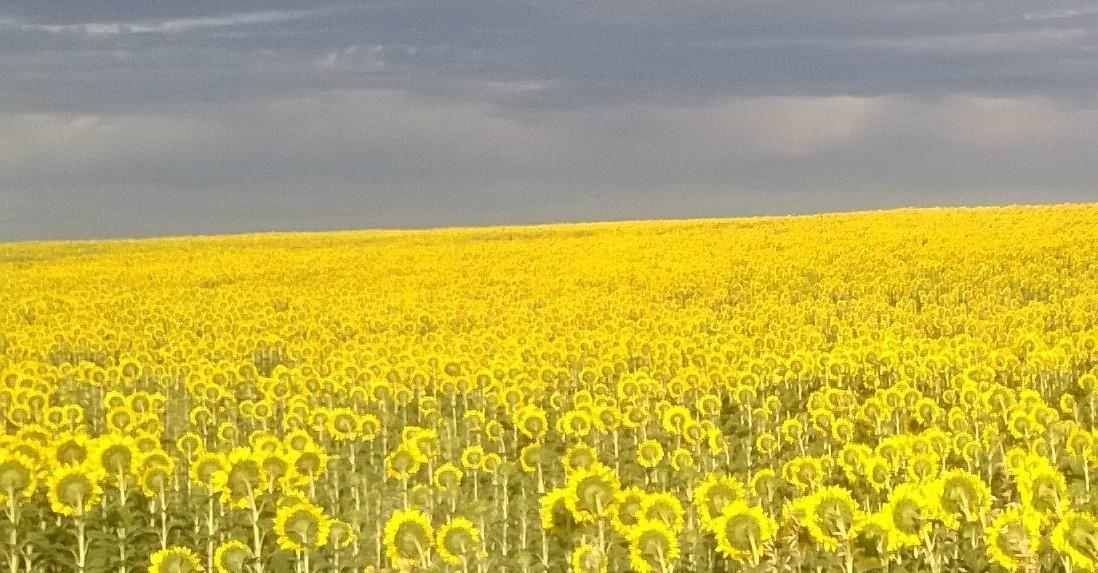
<point>384,158</point>
<point>123,117</point>
<point>581,53</point>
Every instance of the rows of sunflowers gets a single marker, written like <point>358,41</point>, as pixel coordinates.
<point>906,391</point>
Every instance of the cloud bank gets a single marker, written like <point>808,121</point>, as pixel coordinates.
<point>126,119</point>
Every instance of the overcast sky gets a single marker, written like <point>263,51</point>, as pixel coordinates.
<point>132,118</point>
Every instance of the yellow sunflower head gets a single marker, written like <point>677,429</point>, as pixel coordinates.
<point>232,557</point>
<point>532,422</point>
<point>911,510</point>
<point>155,479</point>
<point>530,457</point>
<point>205,465</point>
<point>878,473</point>
<point>591,492</point>
<point>17,476</point>
<point>1013,538</point>
<point>1043,488</point>
<point>741,531</point>
<point>714,493</point>
<point>341,534</point>
<point>471,457</point>
<point>923,467</point>
<point>175,560</point>
<point>587,558</point>
<point>457,540</point>
<point>579,457</point>
<point>116,454</point>
<point>447,477</point>
<point>553,510</point>
<point>653,547</point>
<point>301,526</point>
<point>491,463</point>
<point>626,509</point>
<point>408,536</point>
<point>963,497</point>
<point>829,515</point>
<point>240,478</point>
<point>1076,538</point>
<point>75,490</point>
<point>682,460</point>
<point>649,453</point>
<point>665,507</point>
<point>404,462</point>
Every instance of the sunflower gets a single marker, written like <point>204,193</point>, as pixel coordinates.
<point>405,460</point>
<point>456,540</point>
<point>301,526</point>
<point>575,424</point>
<point>742,530</point>
<point>587,558</point>
<point>116,454</point>
<point>426,442</point>
<point>805,472</point>
<point>1042,487</point>
<point>1076,539</point>
<point>911,511</point>
<point>241,477</point>
<point>878,473</point>
<point>472,456</point>
<point>553,510</point>
<point>963,497</point>
<point>369,426</point>
<point>175,560</point>
<point>665,507</point>
<point>231,557</point>
<point>649,453</point>
<point>408,536</point>
<point>342,424</point>
<point>1080,443</point>
<point>675,419</point>
<point>74,490</point>
<point>626,509</point>
<point>591,492</point>
<point>842,431</point>
<point>682,460</point>
<point>716,441</point>
<point>764,484</point>
<point>829,515</point>
<point>714,493</point>
<point>155,479</point>
<point>852,458</point>
<point>341,534</point>
<point>530,457</point>
<point>205,465</point>
<point>923,467</point>
<point>532,422</point>
<point>311,461</point>
<point>69,449</point>
<point>17,476</point>
<point>447,477</point>
<point>298,440</point>
<point>1014,537</point>
<point>653,547</point>
<point>635,417</point>
<point>491,463</point>
<point>579,457</point>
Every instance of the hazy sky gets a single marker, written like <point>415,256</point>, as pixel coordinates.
<point>129,118</point>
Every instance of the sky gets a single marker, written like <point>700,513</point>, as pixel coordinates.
<point>139,118</point>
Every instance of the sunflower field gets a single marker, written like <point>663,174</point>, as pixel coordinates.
<point>905,391</point>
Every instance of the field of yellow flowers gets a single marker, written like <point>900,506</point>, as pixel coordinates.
<point>906,391</point>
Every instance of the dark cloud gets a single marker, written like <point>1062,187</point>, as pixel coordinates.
<point>174,117</point>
